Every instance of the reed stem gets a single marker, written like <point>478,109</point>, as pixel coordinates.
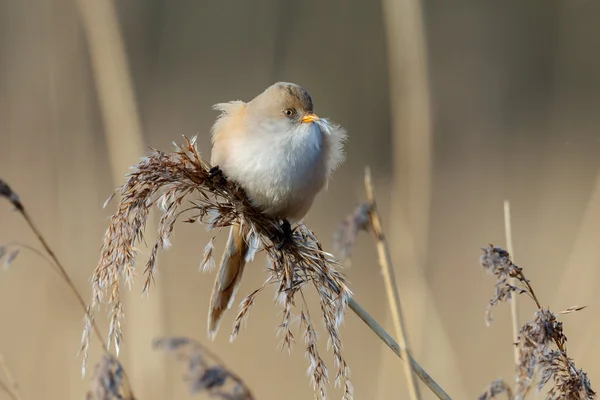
<point>514,311</point>
<point>385,261</point>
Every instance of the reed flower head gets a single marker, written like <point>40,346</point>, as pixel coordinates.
<point>169,180</point>
<point>108,381</point>
<point>205,373</point>
<point>347,233</point>
<point>541,342</point>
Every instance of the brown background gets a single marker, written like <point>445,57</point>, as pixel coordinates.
<point>514,114</point>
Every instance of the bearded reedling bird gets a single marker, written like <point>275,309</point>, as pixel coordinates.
<point>282,154</point>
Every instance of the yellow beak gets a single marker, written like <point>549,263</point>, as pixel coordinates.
<point>310,117</point>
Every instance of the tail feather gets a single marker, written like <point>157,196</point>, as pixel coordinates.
<point>228,278</point>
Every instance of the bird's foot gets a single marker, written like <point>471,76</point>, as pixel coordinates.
<point>215,174</point>
<point>214,171</point>
<point>284,235</point>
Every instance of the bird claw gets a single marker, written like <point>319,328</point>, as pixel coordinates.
<point>214,171</point>
<point>216,176</point>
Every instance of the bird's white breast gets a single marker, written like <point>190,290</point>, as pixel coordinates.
<point>281,171</point>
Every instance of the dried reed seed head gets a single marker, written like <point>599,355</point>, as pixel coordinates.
<point>569,382</point>
<point>211,378</point>
<point>541,341</point>
<point>107,382</point>
<point>204,372</point>
<point>536,341</point>
<point>10,195</point>
<point>495,389</point>
<point>496,261</point>
<point>208,263</point>
<point>167,180</point>
<point>347,233</point>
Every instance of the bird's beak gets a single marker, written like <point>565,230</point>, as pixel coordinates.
<point>310,117</point>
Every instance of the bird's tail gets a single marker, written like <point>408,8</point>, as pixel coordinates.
<point>228,278</point>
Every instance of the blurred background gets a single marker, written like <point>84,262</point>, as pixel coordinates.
<point>455,106</point>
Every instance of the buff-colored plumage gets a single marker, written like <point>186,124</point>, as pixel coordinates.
<point>282,155</point>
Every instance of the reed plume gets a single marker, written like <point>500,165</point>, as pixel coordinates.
<point>541,345</point>
<point>167,181</point>
<point>205,372</point>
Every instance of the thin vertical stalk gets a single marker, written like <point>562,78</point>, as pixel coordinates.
<point>56,265</point>
<point>514,311</point>
<point>114,87</point>
<point>4,388</point>
<point>391,287</point>
<point>410,113</point>
<point>13,387</point>
<point>125,142</point>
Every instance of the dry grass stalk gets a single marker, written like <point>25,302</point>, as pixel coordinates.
<point>6,389</point>
<point>167,180</point>
<point>385,261</point>
<point>10,250</point>
<point>12,389</point>
<point>391,343</point>
<point>345,238</point>
<point>205,372</point>
<point>541,343</point>
<point>514,310</point>
<point>53,261</point>
<point>113,87</point>
<point>108,381</point>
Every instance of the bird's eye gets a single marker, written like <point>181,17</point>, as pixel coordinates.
<point>289,112</point>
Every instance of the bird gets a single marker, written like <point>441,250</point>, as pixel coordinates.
<point>282,154</point>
